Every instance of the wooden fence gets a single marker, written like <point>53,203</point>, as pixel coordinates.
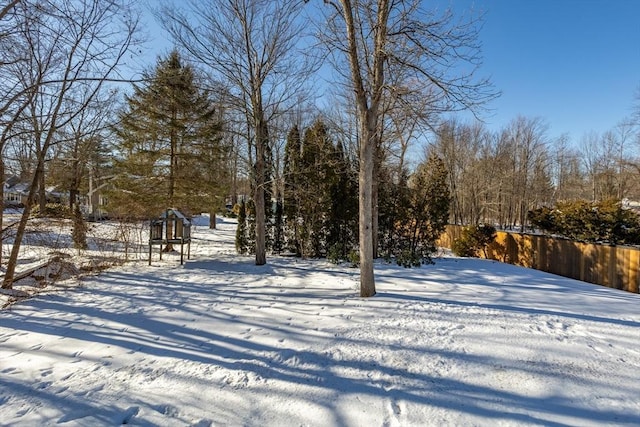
<point>611,266</point>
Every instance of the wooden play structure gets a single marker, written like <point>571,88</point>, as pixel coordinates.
<point>172,228</point>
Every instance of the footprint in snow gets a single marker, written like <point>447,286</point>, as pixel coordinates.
<point>129,414</point>
<point>66,377</point>
<point>23,412</point>
<point>168,410</point>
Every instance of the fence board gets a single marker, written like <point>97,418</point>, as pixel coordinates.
<point>634,265</point>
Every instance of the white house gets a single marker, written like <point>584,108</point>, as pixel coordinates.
<point>15,192</point>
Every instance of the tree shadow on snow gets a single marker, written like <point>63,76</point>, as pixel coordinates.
<point>127,313</point>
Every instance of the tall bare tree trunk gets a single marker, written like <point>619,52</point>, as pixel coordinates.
<point>365,193</point>
<point>377,162</point>
<point>383,37</point>
<point>258,198</point>
<point>368,103</point>
<point>7,283</point>
<point>374,208</point>
<point>74,187</point>
<point>42,190</point>
<point>1,203</point>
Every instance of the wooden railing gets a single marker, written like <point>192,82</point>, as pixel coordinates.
<point>611,266</point>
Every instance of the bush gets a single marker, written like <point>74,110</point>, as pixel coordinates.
<point>242,243</point>
<point>335,254</point>
<point>463,247</point>
<point>52,210</point>
<point>474,239</point>
<point>605,221</point>
<point>408,259</point>
<point>354,258</point>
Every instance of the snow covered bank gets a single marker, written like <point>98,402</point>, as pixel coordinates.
<point>221,341</point>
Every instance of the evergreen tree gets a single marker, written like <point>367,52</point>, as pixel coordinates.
<point>169,150</point>
<point>278,227</point>
<point>251,226</point>
<point>342,223</point>
<point>393,210</point>
<point>292,178</point>
<point>320,195</point>
<point>415,213</point>
<point>269,205</point>
<point>292,165</point>
<point>430,199</point>
<point>316,175</point>
<point>242,243</point>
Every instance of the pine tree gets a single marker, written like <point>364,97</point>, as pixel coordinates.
<point>251,226</point>
<point>242,244</point>
<point>278,227</point>
<point>317,175</point>
<point>292,178</point>
<point>269,205</point>
<point>430,199</point>
<point>169,149</point>
<point>393,211</point>
<point>342,224</point>
<point>320,197</point>
<point>415,213</point>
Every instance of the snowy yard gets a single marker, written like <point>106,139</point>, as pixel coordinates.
<point>220,341</point>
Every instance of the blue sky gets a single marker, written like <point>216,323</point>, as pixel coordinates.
<point>574,63</point>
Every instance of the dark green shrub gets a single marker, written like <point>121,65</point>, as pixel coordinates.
<point>605,221</point>
<point>354,258</point>
<point>242,243</point>
<point>463,247</point>
<point>474,239</point>
<point>544,218</point>
<point>408,259</point>
<point>336,254</point>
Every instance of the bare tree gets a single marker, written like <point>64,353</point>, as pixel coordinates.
<point>253,47</point>
<point>528,140</point>
<point>591,153</point>
<point>606,160</point>
<point>8,7</point>
<point>625,132</point>
<point>71,45</point>
<point>566,170</point>
<point>378,37</point>
<point>13,100</point>
<point>466,152</point>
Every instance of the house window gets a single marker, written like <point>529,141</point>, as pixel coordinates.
<point>13,197</point>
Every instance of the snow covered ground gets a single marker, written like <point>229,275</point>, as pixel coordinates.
<point>220,341</point>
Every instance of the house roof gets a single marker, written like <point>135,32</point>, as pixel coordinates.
<point>11,180</point>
